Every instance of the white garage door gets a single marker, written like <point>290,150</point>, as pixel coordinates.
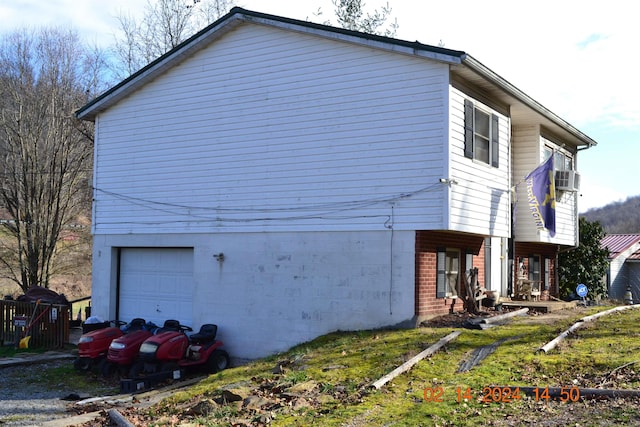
<point>156,284</point>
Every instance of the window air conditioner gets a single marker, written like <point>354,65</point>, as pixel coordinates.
<point>567,180</point>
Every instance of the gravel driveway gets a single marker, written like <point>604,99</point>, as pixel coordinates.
<point>24,401</point>
<point>29,397</point>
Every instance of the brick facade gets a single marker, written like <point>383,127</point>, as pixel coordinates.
<point>427,244</point>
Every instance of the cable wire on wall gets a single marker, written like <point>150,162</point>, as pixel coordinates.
<point>330,210</point>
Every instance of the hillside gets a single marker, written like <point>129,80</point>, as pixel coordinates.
<point>617,218</point>
<point>72,270</point>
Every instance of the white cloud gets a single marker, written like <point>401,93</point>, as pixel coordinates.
<point>95,20</point>
<point>573,57</point>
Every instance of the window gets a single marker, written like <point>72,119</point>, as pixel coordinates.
<point>481,141</point>
<point>481,137</point>
<point>448,273</point>
<point>566,178</point>
<point>534,268</point>
<point>561,161</point>
<point>539,271</point>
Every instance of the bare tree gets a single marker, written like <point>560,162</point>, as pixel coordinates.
<point>45,153</point>
<point>164,25</point>
<point>352,16</point>
<point>210,10</point>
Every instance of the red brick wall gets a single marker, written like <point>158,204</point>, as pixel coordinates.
<point>427,242</point>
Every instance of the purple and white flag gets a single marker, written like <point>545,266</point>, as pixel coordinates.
<point>541,194</point>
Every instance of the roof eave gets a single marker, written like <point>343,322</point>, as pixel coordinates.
<point>372,40</point>
<point>234,18</point>
<point>504,85</point>
<point>154,68</point>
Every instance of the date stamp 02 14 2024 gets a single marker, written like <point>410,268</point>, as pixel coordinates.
<point>506,394</point>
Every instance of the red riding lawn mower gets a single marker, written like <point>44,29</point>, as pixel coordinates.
<point>94,343</point>
<point>171,349</point>
<point>123,351</point>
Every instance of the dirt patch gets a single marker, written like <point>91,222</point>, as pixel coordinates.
<point>459,320</point>
<point>534,317</point>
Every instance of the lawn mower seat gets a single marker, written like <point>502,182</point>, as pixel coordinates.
<point>136,324</point>
<point>170,325</point>
<point>206,334</point>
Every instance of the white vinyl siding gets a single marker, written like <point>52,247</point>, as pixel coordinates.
<point>480,197</point>
<point>528,149</point>
<point>267,130</point>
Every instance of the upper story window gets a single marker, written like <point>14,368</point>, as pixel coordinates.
<point>481,141</point>
<point>561,161</point>
<point>566,177</point>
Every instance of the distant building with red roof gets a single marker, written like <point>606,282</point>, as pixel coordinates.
<point>624,265</point>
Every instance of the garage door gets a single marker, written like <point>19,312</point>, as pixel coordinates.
<point>156,284</point>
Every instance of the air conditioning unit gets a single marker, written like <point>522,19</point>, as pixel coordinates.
<point>567,180</point>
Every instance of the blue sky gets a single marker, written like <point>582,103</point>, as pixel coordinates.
<point>574,57</point>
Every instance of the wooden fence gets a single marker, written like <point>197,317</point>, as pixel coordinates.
<point>46,324</point>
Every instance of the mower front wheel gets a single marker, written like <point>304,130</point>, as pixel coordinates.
<point>82,364</point>
<point>107,369</point>
<point>136,370</point>
<point>218,361</point>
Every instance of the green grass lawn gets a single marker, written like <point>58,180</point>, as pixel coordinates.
<point>326,382</point>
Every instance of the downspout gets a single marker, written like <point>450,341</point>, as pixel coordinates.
<point>511,242</point>
<point>576,243</point>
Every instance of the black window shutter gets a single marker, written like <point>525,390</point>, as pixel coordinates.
<point>441,278</point>
<point>547,272</point>
<point>468,129</point>
<point>495,142</point>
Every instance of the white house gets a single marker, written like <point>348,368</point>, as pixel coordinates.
<point>624,265</point>
<point>284,179</point>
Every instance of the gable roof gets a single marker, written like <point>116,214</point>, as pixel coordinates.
<point>462,65</point>
<point>618,243</point>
